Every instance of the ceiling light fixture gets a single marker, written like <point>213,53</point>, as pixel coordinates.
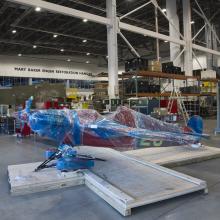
<point>87,61</point>
<point>164,10</point>
<point>192,22</point>
<point>84,41</point>
<point>14,32</point>
<point>68,60</point>
<point>87,54</point>
<point>166,41</point>
<point>55,35</point>
<point>38,9</point>
<point>85,20</point>
<point>34,46</point>
<point>19,54</point>
<point>62,50</point>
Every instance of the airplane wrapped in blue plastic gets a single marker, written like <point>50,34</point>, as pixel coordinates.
<point>122,129</point>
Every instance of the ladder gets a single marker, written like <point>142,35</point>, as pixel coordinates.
<point>177,95</point>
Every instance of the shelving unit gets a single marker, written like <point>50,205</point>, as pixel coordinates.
<point>166,94</point>
<point>158,75</point>
<point>100,94</point>
<point>191,100</point>
<point>208,101</point>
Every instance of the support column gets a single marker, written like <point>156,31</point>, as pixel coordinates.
<point>67,84</point>
<point>157,30</point>
<point>171,9</point>
<point>113,90</point>
<point>30,83</point>
<point>215,47</point>
<point>188,61</point>
<point>208,36</point>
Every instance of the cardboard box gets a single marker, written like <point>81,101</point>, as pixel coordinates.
<point>155,68</point>
<point>208,74</point>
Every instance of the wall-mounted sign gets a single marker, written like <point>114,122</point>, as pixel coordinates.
<point>55,71</point>
<point>49,69</point>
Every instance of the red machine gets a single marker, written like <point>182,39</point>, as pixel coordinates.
<point>164,104</point>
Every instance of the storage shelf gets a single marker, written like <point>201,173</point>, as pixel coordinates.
<point>166,94</point>
<point>208,94</point>
<point>158,75</point>
<point>209,80</point>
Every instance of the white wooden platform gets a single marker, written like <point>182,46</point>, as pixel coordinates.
<point>123,182</point>
<point>24,180</point>
<point>174,156</point>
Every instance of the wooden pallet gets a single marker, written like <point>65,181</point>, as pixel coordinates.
<point>23,180</point>
<point>122,181</point>
<point>143,182</point>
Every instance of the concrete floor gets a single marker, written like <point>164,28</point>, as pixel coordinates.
<point>81,204</point>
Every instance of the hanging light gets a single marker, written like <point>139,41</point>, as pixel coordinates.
<point>38,9</point>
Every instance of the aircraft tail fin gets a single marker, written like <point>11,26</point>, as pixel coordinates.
<point>196,124</point>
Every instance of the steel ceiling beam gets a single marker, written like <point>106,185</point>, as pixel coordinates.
<point>64,35</point>
<point>202,15</point>
<point>118,14</point>
<point>206,24</point>
<point>30,45</point>
<point>105,21</point>
<point>59,9</point>
<point>205,49</point>
<point>136,9</point>
<point>145,32</point>
<point>129,45</point>
<point>155,3</point>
